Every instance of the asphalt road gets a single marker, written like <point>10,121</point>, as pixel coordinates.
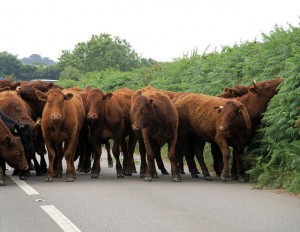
<point>130,204</point>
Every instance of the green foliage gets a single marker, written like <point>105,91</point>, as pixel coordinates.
<point>103,52</point>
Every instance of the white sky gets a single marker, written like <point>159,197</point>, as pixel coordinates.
<point>158,29</point>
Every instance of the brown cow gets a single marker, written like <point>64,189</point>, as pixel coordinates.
<point>10,84</point>
<point>12,105</point>
<point>236,91</point>
<point>11,152</point>
<point>227,127</point>
<point>256,102</point>
<point>154,117</point>
<point>106,121</point>
<point>84,150</point>
<point>62,120</point>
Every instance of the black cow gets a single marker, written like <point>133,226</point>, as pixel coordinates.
<point>25,133</point>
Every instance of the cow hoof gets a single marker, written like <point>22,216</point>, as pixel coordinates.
<point>142,175</point>
<point>164,172</point>
<point>120,175</point>
<point>242,179</point>
<point>40,173</point>
<point>155,175</point>
<point>58,175</point>
<point>95,175</point>
<point>23,177</point>
<point>223,178</point>
<point>70,179</point>
<point>181,172</point>
<point>110,165</point>
<point>176,179</point>
<point>133,171</point>
<point>148,179</point>
<point>48,179</point>
<point>128,174</point>
<point>194,175</point>
<point>208,178</point>
<point>2,183</point>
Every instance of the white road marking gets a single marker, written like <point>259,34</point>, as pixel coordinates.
<point>60,219</point>
<point>23,185</point>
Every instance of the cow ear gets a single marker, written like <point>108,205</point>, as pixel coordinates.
<point>226,89</point>
<point>88,88</point>
<point>107,96</point>
<point>252,90</point>
<point>68,96</point>
<point>7,140</point>
<point>42,96</point>
<point>218,108</point>
<point>138,93</point>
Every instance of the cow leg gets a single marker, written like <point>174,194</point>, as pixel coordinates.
<point>69,157</point>
<point>237,158</point>
<point>109,158</point>
<point>38,169</point>
<point>171,154</point>
<point>130,165</point>
<point>199,147</point>
<point>57,166</point>
<point>96,165</point>
<point>51,157</point>
<point>126,164</point>
<point>150,155</point>
<point>131,146</point>
<point>43,164</point>
<point>226,155</point>
<point>160,162</point>
<point>143,166</point>
<point>116,153</point>
<point>217,158</point>
<point>2,172</point>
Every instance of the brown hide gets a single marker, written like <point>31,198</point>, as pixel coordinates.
<point>197,114</point>
<point>8,83</point>
<point>27,91</point>
<point>256,101</point>
<point>11,151</point>
<point>62,120</point>
<point>15,107</point>
<point>123,97</point>
<point>105,120</point>
<point>154,116</point>
<point>236,91</point>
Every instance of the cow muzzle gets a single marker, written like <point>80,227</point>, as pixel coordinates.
<point>91,116</point>
<point>56,116</point>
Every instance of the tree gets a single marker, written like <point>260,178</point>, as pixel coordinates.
<point>9,64</point>
<point>102,52</point>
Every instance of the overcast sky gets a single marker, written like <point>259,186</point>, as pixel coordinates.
<point>158,29</point>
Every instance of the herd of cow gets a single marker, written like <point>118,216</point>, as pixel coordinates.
<point>37,117</point>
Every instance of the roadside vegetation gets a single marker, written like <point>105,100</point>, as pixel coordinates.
<point>274,154</point>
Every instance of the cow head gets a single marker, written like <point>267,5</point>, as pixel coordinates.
<point>229,113</point>
<point>141,111</point>
<point>95,103</point>
<point>266,89</point>
<point>55,100</point>
<point>11,149</point>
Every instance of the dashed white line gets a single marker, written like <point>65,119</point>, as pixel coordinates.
<point>64,223</point>
<point>23,185</point>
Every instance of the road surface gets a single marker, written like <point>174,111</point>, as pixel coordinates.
<point>130,204</point>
